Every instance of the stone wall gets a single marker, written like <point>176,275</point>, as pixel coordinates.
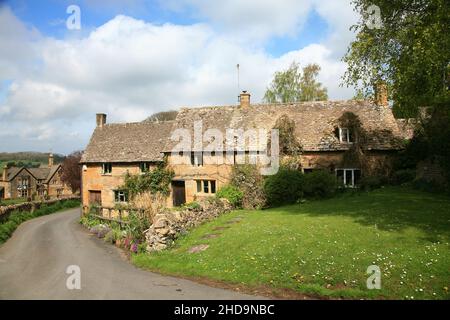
<point>5,211</point>
<point>170,224</point>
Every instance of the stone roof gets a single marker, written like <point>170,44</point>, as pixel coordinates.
<point>315,128</point>
<point>41,173</point>
<point>128,142</point>
<point>315,122</point>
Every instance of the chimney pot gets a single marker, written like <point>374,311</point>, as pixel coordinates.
<point>101,119</point>
<point>244,99</point>
<point>381,94</point>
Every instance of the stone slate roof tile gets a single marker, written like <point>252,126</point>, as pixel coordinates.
<point>315,126</point>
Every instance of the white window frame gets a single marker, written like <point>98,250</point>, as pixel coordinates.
<point>209,186</point>
<point>347,136</point>
<point>345,176</point>
<point>120,193</point>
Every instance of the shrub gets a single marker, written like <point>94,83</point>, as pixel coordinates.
<point>369,183</point>
<point>232,194</point>
<point>284,187</point>
<point>250,182</point>
<point>429,186</point>
<point>194,205</point>
<point>403,176</point>
<point>320,184</point>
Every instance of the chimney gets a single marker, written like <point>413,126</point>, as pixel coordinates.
<point>5,171</point>
<point>381,94</point>
<point>101,119</point>
<point>50,160</point>
<point>244,99</point>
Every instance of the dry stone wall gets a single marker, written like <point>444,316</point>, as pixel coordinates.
<point>172,223</point>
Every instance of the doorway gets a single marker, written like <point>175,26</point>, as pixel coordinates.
<point>178,193</point>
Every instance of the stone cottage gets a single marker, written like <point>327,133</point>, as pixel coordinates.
<point>22,182</point>
<point>331,133</point>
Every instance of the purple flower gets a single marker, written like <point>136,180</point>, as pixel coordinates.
<point>134,248</point>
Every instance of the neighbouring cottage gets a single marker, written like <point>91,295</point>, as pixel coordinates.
<point>22,182</point>
<point>331,133</point>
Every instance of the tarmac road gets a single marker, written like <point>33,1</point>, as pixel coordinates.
<point>34,260</point>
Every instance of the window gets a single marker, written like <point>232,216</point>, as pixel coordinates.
<point>144,166</point>
<point>106,168</point>
<point>120,196</point>
<point>346,135</point>
<point>348,177</point>
<point>24,184</point>
<point>197,159</point>
<point>206,186</point>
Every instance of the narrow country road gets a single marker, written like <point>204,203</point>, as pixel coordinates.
<point>33,265</point>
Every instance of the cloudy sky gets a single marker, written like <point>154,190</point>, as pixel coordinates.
<point>132,58</point>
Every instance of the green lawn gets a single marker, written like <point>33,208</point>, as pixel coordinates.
<point>324,247</point>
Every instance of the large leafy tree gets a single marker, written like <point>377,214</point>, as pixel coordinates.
<point>71,171</point>
<point>409,50</point>
<point>295,84</point>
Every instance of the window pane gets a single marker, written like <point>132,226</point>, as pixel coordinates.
<point>192,159</point>
<point>213,186</point>
<point>350,136</point>
<point>348,177</point>
<point>205,186</point>
<point>340,176</point>
<point>199,186</point>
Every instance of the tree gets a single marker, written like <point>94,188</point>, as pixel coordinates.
<point>162,116</point>
<point>409,51</point>
<point>71,172</point>
<point>293,85</point>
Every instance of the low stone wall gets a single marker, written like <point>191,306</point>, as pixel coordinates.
<point>5,211</point>
<point>170,224</point>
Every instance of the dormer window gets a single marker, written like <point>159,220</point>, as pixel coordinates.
<point>346,135</point>
<point>106,168</point>
<point>144,166</point>
<point>197,159</point>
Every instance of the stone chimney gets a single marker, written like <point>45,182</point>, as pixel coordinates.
<point>5,171</point>
<point>50,160</point>
<point>101,119</point>
<point>381,94</point>
<point>244,99</point>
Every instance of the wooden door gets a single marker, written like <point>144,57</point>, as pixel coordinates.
<point>95,198</point>
<point>178,193</point>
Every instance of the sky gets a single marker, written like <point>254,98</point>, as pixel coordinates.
<point>132,58</point>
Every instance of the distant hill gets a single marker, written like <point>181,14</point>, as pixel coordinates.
<point>27,159</point>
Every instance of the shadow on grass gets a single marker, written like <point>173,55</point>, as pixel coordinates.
<point>392,208</point>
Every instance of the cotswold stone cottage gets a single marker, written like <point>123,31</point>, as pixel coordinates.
<point>21,182</point>
<point>332,134</point>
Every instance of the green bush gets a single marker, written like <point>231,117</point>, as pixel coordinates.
<point>370,183</point>
<point>250,182</point>
<point>320,184</point>
<point>194,205</point>
<point>284,187</point>
<point>429,186</point>
<point>232,194</point>
<point>403,176</point>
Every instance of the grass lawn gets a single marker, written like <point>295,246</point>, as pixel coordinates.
<point>324,247</point>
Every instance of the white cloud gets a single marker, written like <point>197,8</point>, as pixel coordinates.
<point>130,68</point>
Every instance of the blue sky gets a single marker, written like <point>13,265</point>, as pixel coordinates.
<point>132,58</point>
<point>49,16</point>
